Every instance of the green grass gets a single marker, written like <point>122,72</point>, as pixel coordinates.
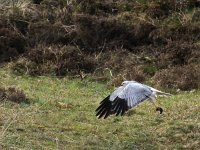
<point>43,125</point>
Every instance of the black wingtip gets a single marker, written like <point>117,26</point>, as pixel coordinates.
<point>120,106</point>
<point>104,108</point>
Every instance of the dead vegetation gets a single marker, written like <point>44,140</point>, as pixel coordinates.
<point>12,44</point>
<point>177,54</point>
<point>114,40</point>
<point>44,32</point>
<point>56,60</point>
<point>185,77</point>
<point>12,94</point>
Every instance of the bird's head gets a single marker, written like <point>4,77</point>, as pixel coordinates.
<point>159,109</point>
<point>126,82</point>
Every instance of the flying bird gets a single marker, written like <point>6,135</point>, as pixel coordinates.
<point>127,96</point>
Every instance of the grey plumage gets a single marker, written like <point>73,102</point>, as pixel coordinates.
<point>125,97</point>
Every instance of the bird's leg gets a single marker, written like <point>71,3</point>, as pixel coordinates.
<point>157,107</point>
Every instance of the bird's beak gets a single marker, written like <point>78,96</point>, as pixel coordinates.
<point>159,109</point>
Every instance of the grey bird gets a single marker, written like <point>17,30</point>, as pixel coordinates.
<point>127,96</point>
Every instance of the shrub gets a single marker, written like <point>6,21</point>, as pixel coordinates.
<point>37,1</point>
<point>12,44</point>
<point>184,78</point>
<point>57,60</point>
<point>44,32</point>
<point>96,34</point>
<point>119,65</point>
<point>177,53</point>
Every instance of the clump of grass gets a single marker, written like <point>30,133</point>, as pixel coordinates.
<point>2,93</point>
<point>17,13</point>
<point>12,94</point>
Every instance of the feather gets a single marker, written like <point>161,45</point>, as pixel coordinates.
<point>125,97</point>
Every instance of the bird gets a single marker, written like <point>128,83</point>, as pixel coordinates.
<point>127,96</point>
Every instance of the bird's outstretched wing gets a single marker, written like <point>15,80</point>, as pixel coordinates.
<point>122,99</point>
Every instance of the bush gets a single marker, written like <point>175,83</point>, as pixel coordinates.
<point>57,60</point>
<point>96,34</point>
<point>184,78</point>
<point>119,65</point>
<point>44,32</point>
<point>177,53</point>
<point>115,40</point>
<point>12,44</point>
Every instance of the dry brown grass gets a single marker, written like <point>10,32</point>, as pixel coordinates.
<point>12,94</point>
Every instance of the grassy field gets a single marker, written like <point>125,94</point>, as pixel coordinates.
<point>61,115</point>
